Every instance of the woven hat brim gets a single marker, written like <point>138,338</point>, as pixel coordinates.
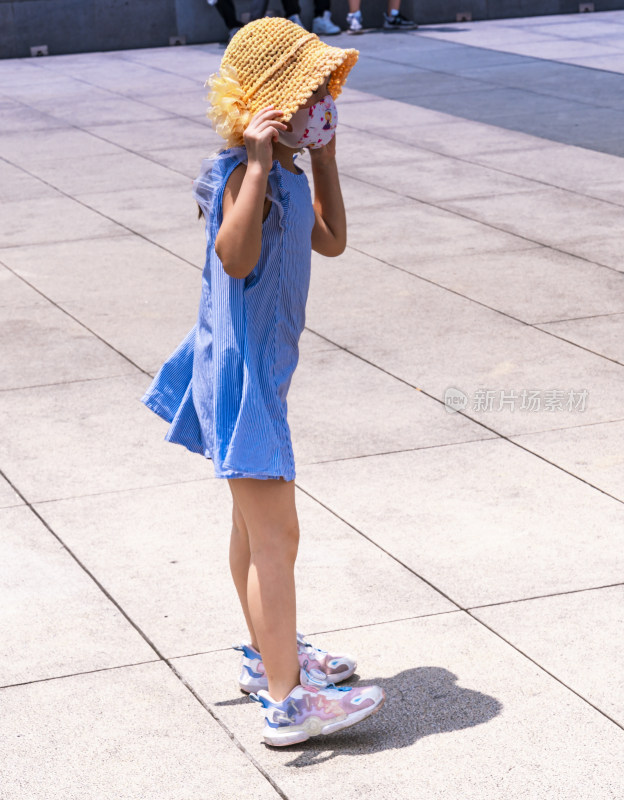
<point>293,84</point>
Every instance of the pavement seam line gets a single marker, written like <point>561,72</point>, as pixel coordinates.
<point>576,319</point>
<point>466,160</point>
<point>493,84</point>
<point>545,596</point>
<point>459,607</point>
<point>82,325</point>
<point>82,203</point>
<point>552,675</point>
<point>533,325</point>
<point>174,115</point>
<point>151,644</point>
<point>497,434</point>
<point>456,212</point>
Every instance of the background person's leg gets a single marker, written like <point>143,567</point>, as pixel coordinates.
<point>228,13</point>
<point>258,9</point>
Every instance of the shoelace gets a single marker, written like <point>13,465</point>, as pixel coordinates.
<point>310,648</point>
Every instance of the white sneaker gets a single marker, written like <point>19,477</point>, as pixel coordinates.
<point>253,676</point>
<point>297,20</point>
<point>314,707</point>
<point>324,25</point>
<point>354,21</point>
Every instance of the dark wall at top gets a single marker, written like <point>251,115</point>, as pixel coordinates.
<point>77,26</point>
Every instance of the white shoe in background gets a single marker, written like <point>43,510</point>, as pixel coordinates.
<point>297,20</point>
<point>324,26</point>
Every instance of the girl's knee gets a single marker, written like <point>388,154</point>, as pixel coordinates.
<point>279,542</point>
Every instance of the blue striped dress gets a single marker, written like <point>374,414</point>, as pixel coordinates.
<point>223,390</point>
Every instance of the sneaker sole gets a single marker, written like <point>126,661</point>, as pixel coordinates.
<point>313,726</point>
<point>255,685</point>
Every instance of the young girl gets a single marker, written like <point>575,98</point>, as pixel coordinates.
<point>224,389</point>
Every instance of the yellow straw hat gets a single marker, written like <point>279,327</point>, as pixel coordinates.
<point>272,61</point>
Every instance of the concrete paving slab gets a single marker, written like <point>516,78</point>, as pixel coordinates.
<point>27,148</point>
<point>176,537</point>
<point>460,138</point>
<point>310,343</point>
<point>190,61</point>
<point>15,293</point>
<point>602,334</point>
<point>184,160</point>
<point>556,79</point>
<point>592,452</point>
<point>122,76</point>
<point>353,148</point>
<point>479,531</point>
<point>578,29</point>
<point>615,63</point>
<point>17,117</point>
<point>413,82</point>
<point>187,244</point>
<point>373,227</point>
<point>105,173</point>
<point>41,86</point>
<point>146,209</point>
<point>358,194</point>
<point>552,165</point>
<point>103,439</point>
<point>181,103</point>
<point>561,50</point>
<point>97,107</point>
<point>536,285</point>
<point>8,496</point>
<point>327,423</point>
<point>605,250</point>
<point>477,350</point>
<point>55,619</point>
<point>109,285</point>
<point>390,114</point>
<point>612,191</point>
<point>16,184</point>
<point>123,733</point>
<point>140,136</point>
<point>576,637</point>
<point>48,346</point>
<point>465,716</point>
<point>594,130</point>
<point>51,219</point>
<point>544,215</point>
<point>495,104</point>
<point>438,178</point>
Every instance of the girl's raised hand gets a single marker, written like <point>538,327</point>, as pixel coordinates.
<point>260,134</point>
<point>324,154</point>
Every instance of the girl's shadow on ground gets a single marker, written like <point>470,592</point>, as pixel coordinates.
<point>419,702</point>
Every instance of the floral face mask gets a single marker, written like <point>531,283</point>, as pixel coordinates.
<point>312,127</point>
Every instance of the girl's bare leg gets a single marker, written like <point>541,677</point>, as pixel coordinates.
<point>269,513</point>
<point>354,5</point>
<point>240,558</point>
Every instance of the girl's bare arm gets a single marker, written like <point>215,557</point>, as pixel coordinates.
<point>239,240</point>
<point>329,235</point>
